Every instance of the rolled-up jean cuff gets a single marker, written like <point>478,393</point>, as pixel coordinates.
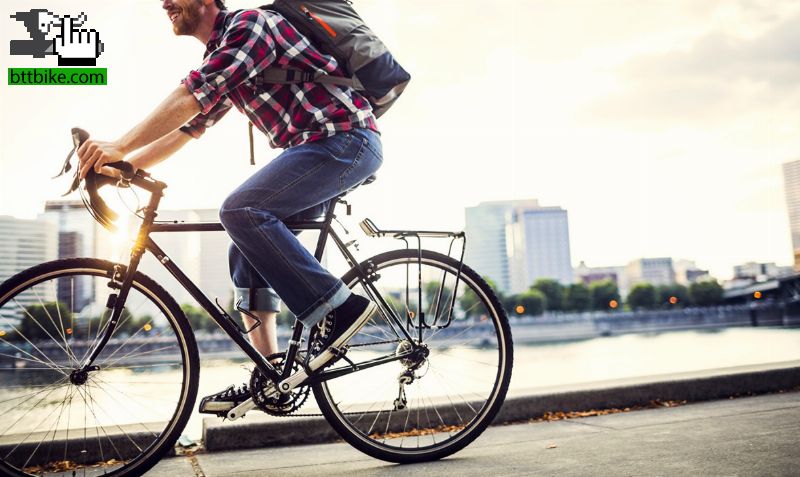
<point>264,299</point>
<point>325,305</point>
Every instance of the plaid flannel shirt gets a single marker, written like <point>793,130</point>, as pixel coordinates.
<point>244,43</point>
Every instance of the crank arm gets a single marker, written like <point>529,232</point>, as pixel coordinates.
<point>239,411</point>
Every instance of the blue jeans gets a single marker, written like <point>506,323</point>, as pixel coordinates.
<point>267,261</point>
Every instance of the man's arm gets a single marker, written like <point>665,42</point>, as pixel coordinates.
<point>178,108</point>
<point>159,150</point>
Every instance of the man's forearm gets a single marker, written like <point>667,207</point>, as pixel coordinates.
<point>178,108</point>
<point>159,150</point>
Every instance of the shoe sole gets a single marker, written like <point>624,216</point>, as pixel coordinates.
<point>326,356</point>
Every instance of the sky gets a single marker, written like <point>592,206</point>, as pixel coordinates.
<point>660,126</point>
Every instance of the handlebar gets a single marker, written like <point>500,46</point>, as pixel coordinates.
<point>94,181</point>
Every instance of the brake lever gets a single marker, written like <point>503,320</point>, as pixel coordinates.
<point>127,172</point>
<point>78,137</point>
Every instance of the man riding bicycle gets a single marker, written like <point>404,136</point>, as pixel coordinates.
<point>331,144</point>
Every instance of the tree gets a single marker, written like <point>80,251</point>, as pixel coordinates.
<point>706,293</point>
<point>47,317</point>
<point>469,302</point>
<point>431,295</point>
<point>577,297</point>
<point>642,295</point>
<point>127,323</point>
<point>553,291</point>
<point>532,302</point>
<point>603,293</point>
<point>674,295</point>
<point>198,318</point>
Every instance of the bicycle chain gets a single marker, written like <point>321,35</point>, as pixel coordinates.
<point>319,414</point>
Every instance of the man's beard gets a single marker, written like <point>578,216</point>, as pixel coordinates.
<point>188,19</point>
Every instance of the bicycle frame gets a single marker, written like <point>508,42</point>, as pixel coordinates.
<point>123,281</point>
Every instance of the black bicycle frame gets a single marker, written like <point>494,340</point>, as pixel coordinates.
<point>221,318</point>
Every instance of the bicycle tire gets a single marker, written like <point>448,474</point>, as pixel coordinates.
<point>362,440</point>
<point>150,453</point>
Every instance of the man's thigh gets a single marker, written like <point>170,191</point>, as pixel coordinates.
<point>298,182</point>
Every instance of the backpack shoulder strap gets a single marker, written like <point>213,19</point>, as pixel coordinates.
<point>293,76</point>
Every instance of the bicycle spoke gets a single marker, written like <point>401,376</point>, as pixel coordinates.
<point>19,333</point>
<point>52,321</point>
<point>32,407</point>
<point>101,427</point>
<point>61,326</point>
<point>107,358</point>
<point>29,434</point>
<point>136,355</point>
<point>64,420</point>
<point>25,359</point>
<point>451,375</point>
<point>115,425</point>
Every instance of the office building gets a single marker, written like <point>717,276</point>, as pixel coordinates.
<point>791,182</point>
<point>759,272</point>
<point>656,271</point>
<point>538,246</point>
<point>687,272</point>
<point>79,235</point>
<point>517,242</point>
<point>23,244</point>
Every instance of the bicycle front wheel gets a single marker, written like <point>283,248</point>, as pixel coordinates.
<point>118,417</point>
<point>432,405</point>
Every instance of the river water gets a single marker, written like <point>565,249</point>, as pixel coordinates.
<point>568,364</point>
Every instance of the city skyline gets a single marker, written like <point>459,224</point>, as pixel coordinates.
<point>204,255</point>
<point>657,125</point>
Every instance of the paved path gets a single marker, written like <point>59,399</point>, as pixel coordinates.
<point>741,437</point>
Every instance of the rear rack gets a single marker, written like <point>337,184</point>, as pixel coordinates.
<point>372,230</point>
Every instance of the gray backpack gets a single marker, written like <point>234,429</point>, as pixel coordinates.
<point>335,28</point>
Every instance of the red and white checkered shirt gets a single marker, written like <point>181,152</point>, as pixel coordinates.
<point>244,43</point>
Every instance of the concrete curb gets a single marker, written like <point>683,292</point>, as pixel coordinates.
<point>267,431</point>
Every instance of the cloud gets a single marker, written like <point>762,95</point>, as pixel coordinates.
<point>720,76</point>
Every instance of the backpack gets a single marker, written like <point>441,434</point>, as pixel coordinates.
<point>335,28</point>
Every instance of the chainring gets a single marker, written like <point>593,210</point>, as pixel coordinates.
<point>281,405</point>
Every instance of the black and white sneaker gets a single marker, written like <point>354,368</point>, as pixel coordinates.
<point>348,318</point>
<point>225,400</point>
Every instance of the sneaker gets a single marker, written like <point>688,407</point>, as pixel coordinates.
<point>348,318</point>
<point>224,401</point>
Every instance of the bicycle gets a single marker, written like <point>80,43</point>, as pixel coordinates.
<point>86,330</point>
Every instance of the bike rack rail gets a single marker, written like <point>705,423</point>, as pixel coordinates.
<point>372,230</point>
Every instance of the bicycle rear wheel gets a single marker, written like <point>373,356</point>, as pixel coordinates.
<point>118,419</point>
<point>429,407</point>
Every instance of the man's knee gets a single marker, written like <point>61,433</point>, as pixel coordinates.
<point>236,209</point>
<point>234,206</point>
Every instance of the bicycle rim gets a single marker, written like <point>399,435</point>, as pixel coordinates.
<point>455,391</point>
<point>116,420</point>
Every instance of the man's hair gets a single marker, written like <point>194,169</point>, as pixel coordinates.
<point>220,4</point>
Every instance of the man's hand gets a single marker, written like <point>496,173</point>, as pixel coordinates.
<point>96,154</point>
